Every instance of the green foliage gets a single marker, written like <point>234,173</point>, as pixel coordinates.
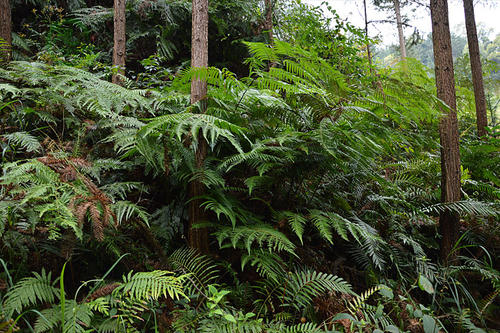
<point>146,285</point>
<point>321,178</point>
<point>31,291</point>
<point>200,270</point>
<point>118,303</point>
<point>263,235</point>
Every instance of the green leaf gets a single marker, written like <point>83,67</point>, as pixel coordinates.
<point>392,328</point>
<point>386,292</point>
<point>430,325</point>
<point>425,284</point>
<point>230,317</point>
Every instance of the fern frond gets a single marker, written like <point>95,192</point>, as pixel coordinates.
<point>202,271</point>
<point>180,124</point>
<point>358,302</point>
<point>125,210</point>
<point>466,207</point>
<point>77,318</point>
<point>268,265</point>
<point>261,235</point>
<point>31,291</point>
<point>145,285</point>
<point>296,222</point>
<point>299,328</point>
<point>303,286</point>
<point>25,140</point>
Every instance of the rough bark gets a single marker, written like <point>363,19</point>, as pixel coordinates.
<point>198,238</point>
<point>402,45</point>
<point>119,50</point>
<point>366,33</point>
<point>477,71</point>
<point>5,30</point>
<point>448,126</point>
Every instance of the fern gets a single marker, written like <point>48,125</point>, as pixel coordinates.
<point>255,235</point>
<point>299,328</point>
<point>268,265</point>
<point>303,286</point>
<point>77,318</point>
<point>465,207</point>
<point>359,302</point>
<point>25,140</point>
<point>31,291</point>
<point>200,270</point>
<point>297,223</point>
<point>145,285</point>
<point>124,210</point>
<point>180,124</point>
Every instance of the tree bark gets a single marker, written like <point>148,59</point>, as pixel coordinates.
<point>448,126</point>
<point>368,52</point>
<point>477,71</point>
<point>402,45</point>
<point>198,238</point>
<point>269,20</point>
<point>5,30</point>
<point>119,50</point>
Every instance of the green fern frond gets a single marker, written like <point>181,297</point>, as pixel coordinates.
<point>180,124</point>
<point>260,235</point>
<point>296,222</point>
<point>201,270</point>
<point>299,328</point>
<point>125,210</point>
<point>31,291</point>
<point>303,286</point>
<point>77,318</point>
<point>466,207</point>
<point>358,302</point>
<point>6,89</point>
<point>268,265</point>
<point>145,285</point>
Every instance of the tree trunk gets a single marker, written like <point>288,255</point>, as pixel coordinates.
<point>366,33</point>
<point>402,46</point>
<point>448,126</point>
<point>119,50</point>
<point>198,238</point>
<point>477,71</point>
<point>5,30</point>
<point>269,20</point>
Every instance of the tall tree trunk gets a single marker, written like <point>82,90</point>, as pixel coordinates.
<point>366,33</point>
<point>269,20</point>
<point>448,126</point>
<point>198,238</point>
<point>402,46</point>
<point>5,30</point>
<point>477,71</point>
<point>119,50</point>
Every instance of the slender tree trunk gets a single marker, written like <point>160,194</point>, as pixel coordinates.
<point>402,46</point>
<point>5,30</point>
<point>269,20</point>
<point>477,71</point>
<point>119,40</point>
<point>366,33</point>
<point>448,126</point>
<point>198,238</point>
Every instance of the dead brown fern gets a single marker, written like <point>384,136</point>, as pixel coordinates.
<point>97,204</point>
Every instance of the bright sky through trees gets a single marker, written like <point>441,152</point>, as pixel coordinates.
<point>487,13</point>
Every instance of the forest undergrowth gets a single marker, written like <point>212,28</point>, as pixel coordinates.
<point>321,181</point>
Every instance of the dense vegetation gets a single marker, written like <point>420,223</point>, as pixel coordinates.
<point>321,178</point>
